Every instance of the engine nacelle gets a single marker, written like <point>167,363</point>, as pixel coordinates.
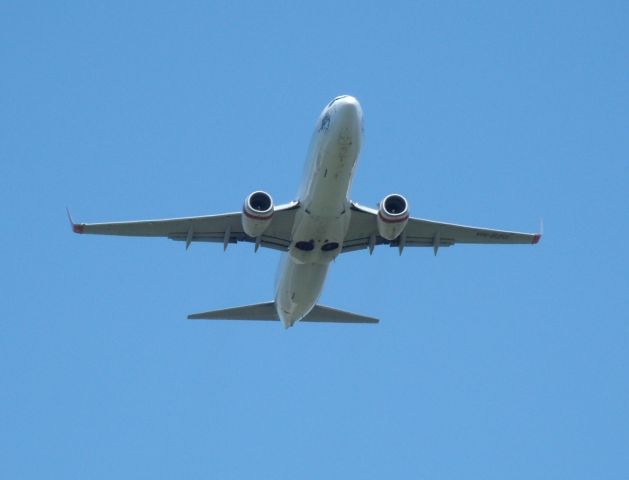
<point>257,213</point>
<point>392,216</point>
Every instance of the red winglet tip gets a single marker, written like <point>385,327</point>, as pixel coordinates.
<point>76,227</point>
<point>536,238</point>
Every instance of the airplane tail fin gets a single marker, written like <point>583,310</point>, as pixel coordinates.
<point>267,312</point>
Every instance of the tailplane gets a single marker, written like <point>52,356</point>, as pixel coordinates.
<point>333,315</point>
<point>259,311</point>
<point>267,312</point>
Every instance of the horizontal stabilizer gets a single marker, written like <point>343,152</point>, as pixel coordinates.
<point>326,314</point>
<point>267,312</point>
<point>260,311</point>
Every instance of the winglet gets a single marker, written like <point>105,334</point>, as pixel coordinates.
<point>76,227</point>
<point>537,237</point>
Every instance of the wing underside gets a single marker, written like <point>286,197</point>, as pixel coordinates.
<point>225,228</point>
<point>363,233</point>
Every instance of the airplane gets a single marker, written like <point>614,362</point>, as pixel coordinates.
<point>313,229</point>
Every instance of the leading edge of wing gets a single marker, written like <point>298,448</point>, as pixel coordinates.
<point>421,232</point>
<point>222,228</point>
<point>149,228</point>
<point>158,226</point>
<point>419,227</point>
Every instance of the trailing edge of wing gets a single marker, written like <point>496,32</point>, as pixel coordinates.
<point>363,233</point>
<point>267,312</point>
<point>223,228</point>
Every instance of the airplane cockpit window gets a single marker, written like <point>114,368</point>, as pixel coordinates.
<point>337,98</point>
<point>325,123</point>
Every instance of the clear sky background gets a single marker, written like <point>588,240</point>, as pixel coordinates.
<point>489,362</point>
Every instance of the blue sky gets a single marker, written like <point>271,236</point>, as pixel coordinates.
<point>489,362</point>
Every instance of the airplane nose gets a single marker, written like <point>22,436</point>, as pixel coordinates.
<point>348,106</point>
<point>347,101</point>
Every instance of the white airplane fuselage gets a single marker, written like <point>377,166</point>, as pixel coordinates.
<point>322,222</point>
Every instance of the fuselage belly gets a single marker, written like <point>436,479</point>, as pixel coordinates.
<point>323,219</point>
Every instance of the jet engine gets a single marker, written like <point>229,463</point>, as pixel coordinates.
<point>392,216</point>
<point>257,213</point>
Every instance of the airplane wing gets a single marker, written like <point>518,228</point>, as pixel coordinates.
<point>363,233</point>
<point>225,228</point>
